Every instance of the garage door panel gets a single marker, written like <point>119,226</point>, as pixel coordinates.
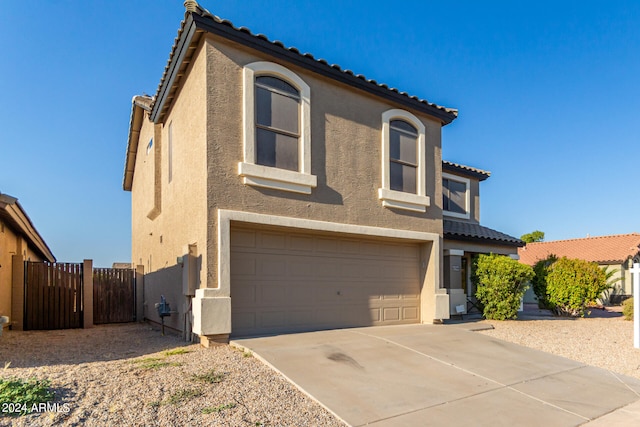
<point>390,314</point>
<point>243,264</point>
<point>289,281</point>
<point>243,238</point>
<point>299,267</point>
<point>301,243</point>
<point>273,319</point>
<point>350,246</point>
<point>244,293</point>
<point>272,240</point>
<point>411,313</point>
<point>328,245</point>
<point>273,294</point>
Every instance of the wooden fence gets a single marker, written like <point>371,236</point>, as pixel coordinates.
<point>114,295</point>
<point>53,295</point>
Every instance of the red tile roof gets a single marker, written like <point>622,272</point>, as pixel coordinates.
<point>603,249</point>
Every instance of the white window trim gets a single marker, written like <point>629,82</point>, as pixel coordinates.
<point>467,197</point>
<point>399,199</point>
<point>301,181</point>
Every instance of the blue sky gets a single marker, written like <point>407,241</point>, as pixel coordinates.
<point>548,93</point>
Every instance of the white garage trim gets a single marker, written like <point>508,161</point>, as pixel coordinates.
<point>223,291</point>
<point>224,235</point>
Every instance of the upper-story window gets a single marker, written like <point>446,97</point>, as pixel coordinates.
<point>277,129</point>
<point>277,123</point>
<point>455,196</point>
<point>403,162</point>
<point>403,155</point>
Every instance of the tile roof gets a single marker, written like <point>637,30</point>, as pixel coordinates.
<point>458,230</point>
<point>465,170</point>
<point>226,28</point>
<point>603,249</point>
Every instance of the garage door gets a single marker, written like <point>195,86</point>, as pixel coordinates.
<point>284,281</point>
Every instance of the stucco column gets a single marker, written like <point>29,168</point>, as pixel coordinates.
<point>434,300</point>
<point>87,291</point>
<point>17,292</point>
<point>454,281</point>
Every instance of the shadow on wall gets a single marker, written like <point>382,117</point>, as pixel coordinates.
<point>178,286</point>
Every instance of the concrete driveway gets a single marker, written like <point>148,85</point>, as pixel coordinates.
<point>445,375</point>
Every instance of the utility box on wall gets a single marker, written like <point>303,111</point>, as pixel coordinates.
<point>190,271</point>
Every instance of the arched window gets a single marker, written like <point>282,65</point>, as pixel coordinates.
<point>277,123</point>
<point>277,130</point>
<point>403,156</point>
<point>403,162</point>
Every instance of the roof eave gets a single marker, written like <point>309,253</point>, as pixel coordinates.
<point>21,221</point>
<point>195,23</point>
<point>484,240</point>
<point>468,171</point>
<point>188,30</point>
<point>135,124</point>
<point>314,65</point>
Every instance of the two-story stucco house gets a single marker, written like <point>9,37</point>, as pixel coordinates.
<point>273,192</point>
<point>464,237</point>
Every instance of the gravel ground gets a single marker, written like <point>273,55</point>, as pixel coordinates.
<point>604,340</point>
<point>121,375</point>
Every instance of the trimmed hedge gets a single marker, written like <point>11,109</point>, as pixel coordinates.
<point>573,284</point>
<point>501,283</point>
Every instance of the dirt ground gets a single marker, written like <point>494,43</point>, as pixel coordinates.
<point>130,374</point>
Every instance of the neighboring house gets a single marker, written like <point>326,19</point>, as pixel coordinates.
<point>464,237</point>
<point>616,253</point>
<point>273,192</point>
<point>18,237</point>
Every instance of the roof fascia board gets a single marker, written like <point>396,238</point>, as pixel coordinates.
<point>22,221</point>
<point>137,118</point>
<point>182,48</point>
<point>269,48</point>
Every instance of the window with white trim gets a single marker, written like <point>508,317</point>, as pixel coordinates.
<point>456,196</point>
<point>403,162</point>
<point>277,131</point>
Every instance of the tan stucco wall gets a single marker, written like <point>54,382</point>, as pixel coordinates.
<point>624,286</point>
<point>182,218</point>
<point>346,127</point>
<point>8,247</point>
<point>11,243</point>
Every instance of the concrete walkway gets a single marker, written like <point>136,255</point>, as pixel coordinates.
<point>445,375</point>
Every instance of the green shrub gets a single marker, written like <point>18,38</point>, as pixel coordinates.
<point>573,284</point>
<point>627,309</point>
<point>539,281</point>
<point>24,393</point>
<point>501,282</point>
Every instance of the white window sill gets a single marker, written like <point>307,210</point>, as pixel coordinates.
<point>456,215</point>
<point>402,200</point>
<point>278,179</point>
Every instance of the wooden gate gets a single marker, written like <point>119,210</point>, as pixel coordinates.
<point>53,295</point>
<point>114,295</point>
